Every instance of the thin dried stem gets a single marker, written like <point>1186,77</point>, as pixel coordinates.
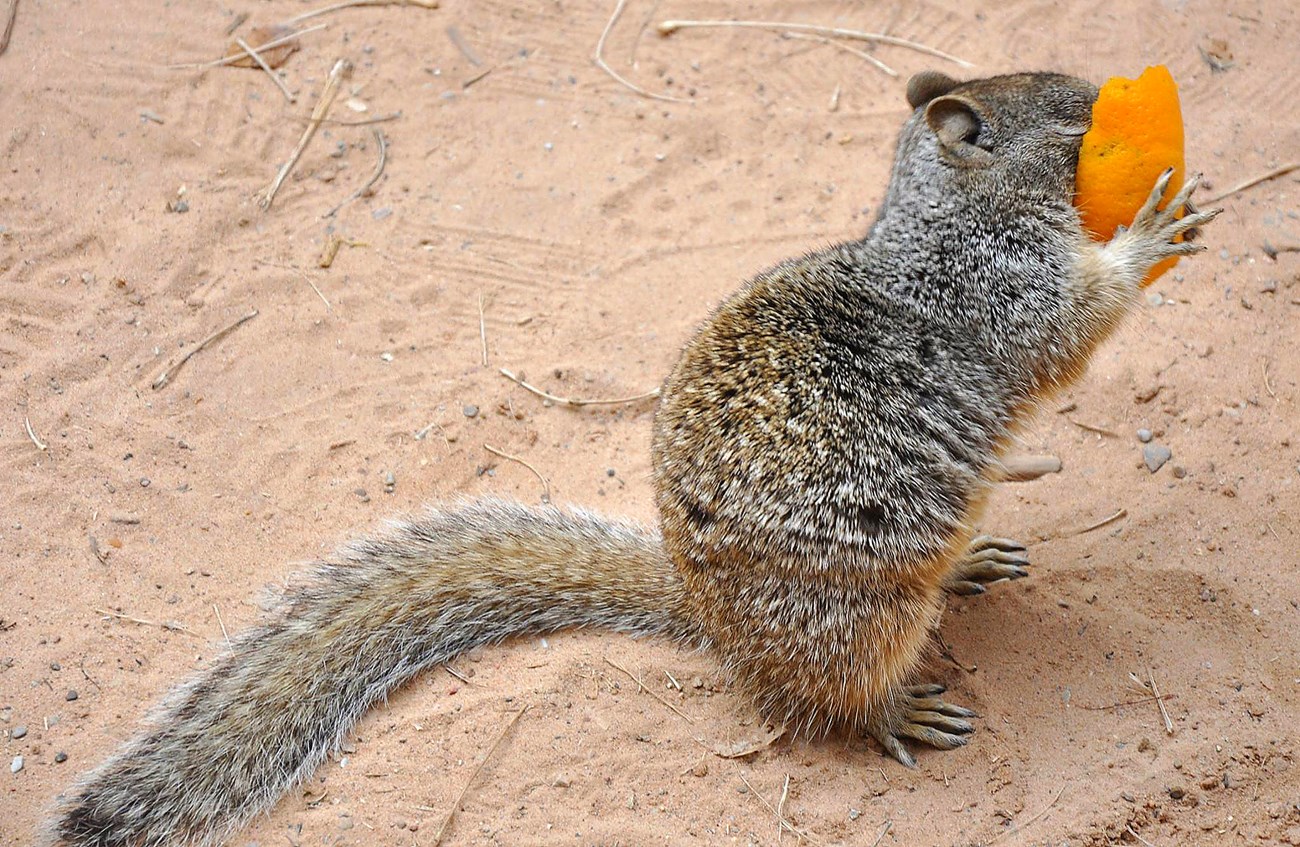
<point>341,71</point>
<point>9,26</point>
<point>370,183</point>
<point>600,61</point>
<point>575,402</point>
<point>31,433</point>
<point>238,57</point>
<point>1119,514</point>
<point>546,486</point>
<point>442,830</point>
<point>1021,827</point>
<point>174,627</point>
<point>482,330</point>
<point>653,694</point>
<point>352,4</point>
<point>166,376</point>
<point>261,63</point>
<point>669,27</point>
<point>1254,181</point>
<point>781,822</point>
<point>1160,703</point>
<point>862,54</point>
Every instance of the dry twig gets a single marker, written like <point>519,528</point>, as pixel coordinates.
<point>225,634</point>
<point>569,401</point>
<point>1254,181</point>
<point>1100,430</point>
<point>653,694</point>
<point>341,71</point>
<point>261,63</point>
<point>352,4</point>
<point>669,27</point>
<point>780,808</point>
<point>40,445</point>
<point>1133,832</point>
<point>1021,828</point>
<point>442,830</point>
<point>604,66</point>
<point>546,486</point>
<point>370,183</point>
<point>883,832</point>
<point>1138,702</point>
<point>307,279</point>
<point>9,26</point>
<point>174,627</point>
<point>862,54</point>
<point>1160,703</point>
<point>781,822</point>
<point>1119,514</point>
<point>239,57</point>
<point>482,330</point>
<point>166,376</point>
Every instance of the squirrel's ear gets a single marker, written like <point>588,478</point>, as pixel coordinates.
<point>927,85</point>
<point>956,123</point>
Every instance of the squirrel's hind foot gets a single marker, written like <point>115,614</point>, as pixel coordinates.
<point>920,715</point>
<point>987,560</point>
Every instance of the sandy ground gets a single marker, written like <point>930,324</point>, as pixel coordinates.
<point>596,227</point>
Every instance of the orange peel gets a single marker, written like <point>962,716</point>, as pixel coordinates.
<point>1136,133</point>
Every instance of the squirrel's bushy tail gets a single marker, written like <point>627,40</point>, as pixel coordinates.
<point>227,743</point>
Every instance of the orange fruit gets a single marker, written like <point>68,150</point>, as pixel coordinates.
<point>1137,132</point>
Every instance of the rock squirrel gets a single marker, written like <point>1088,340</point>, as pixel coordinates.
<point>823,451</point>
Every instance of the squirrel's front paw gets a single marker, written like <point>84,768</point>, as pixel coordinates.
<point>1150,239</point>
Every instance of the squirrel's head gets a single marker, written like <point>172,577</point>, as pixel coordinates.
<point>1013,133</point>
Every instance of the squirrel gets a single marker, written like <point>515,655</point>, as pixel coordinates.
<point>823,451</point>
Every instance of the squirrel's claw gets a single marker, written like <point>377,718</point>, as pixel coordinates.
<point>987,560</point>
<point>920,715</point>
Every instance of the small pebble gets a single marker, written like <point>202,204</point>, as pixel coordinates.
<point>71,695</point>
<point>1144,435</point>
<point>854,814</point>
<point>470,410</point>
<point>55,666</point>
<point>610,472</point>
<point>1156,455</point>
<point>1177,793</point>
<point>387,357</point>
<point>145,482</point>
<point>19,732</point>
<point>381,213</point>
<point>60,757</point>
<point>16,765</point>
<point>390,482</point>
<point>361,494</point>
<point>1179,471</point>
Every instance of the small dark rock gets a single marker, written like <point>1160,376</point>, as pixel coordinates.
<point>1177,793</point>
<point>71,695</point>
<point>469,410</point>
<point>60,757</point>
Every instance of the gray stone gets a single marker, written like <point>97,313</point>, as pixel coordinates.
<point>1156,455</point>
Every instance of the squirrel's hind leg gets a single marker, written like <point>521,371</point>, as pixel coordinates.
<point>987,560</point>
<point>919,714</point>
